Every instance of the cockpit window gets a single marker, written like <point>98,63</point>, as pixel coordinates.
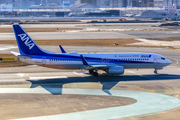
<point>163,58</point>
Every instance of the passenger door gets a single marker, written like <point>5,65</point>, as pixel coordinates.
<point>155,58</point>
<point>43,60</point>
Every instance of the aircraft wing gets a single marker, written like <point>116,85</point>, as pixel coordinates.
<point>91,67</point>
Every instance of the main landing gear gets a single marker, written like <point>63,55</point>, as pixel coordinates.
<point>93,73</point>
<point>96,74</point>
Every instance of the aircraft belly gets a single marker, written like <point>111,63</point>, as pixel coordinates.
<point>28,60</point>
<point>64,66</point>
<point>157,65</point>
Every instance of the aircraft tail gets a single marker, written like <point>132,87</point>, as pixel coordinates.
<point>25,43</point>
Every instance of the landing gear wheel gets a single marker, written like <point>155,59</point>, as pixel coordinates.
<point>95,74</point>
<point>91,72</point>
<point>155,71</point>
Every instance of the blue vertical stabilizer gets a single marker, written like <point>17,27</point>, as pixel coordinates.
<point>25,43</point>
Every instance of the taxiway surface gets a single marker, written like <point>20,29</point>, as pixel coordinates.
<point>95,35</point>
<point>147,30</point>
<point>33,92</point>
<point>56,82</point>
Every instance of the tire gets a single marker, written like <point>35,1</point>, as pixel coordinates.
<point>95,74</point>
<point>91,72</point>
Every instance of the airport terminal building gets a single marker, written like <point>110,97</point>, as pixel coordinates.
<point>35,12</point>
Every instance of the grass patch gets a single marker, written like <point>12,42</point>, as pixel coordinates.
<point>80,42</point>
<point>159,91</point>
<point>11,64</point>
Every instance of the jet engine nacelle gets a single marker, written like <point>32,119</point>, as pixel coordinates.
<point>116,70</point>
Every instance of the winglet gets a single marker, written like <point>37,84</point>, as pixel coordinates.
<point>85,63</point>
<point>62,50</point>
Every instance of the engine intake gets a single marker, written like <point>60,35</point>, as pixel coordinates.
<point>116,70</point>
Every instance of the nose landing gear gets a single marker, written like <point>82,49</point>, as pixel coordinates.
<point>155,71</point>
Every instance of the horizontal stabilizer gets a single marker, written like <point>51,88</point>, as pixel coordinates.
<point>15,53</point>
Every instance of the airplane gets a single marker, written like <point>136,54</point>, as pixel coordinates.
<point>111,63</point>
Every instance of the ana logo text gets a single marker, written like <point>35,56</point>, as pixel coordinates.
<point>145,56</point>
<point>27,41</point>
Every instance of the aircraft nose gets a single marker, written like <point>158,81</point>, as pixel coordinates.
<point>169,62</point>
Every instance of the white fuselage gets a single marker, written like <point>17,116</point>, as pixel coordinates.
<point>127,60</point>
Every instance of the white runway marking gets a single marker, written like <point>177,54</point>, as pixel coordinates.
<point>14,80</point>
<point>20,74</point>
<point>131,71</point>
<point>177,62</point>
<point>80,73</point>
<point>31,65</point>
<point>175,32</point>
<point>7,48</point>
<point>146,103</point>
<point>54,77</point>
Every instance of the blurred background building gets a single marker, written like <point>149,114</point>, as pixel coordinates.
<point>87,7</point>
<point>21,4</point>
<point>119,3</point>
